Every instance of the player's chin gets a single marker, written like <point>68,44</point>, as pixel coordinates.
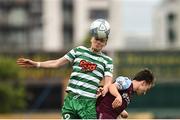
<point>97,49</point>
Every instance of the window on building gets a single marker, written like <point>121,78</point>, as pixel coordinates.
<point>18,19</point>
<point>67,6</point>
<point>36,38</point>
<point>36,6</point>
<point>68,34</point>
<point>171,35</point>
<point>18,39</point>
<point>171,19</point>
<point>98,13</point>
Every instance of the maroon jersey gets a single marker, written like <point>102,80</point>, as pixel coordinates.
<point>104,104</point>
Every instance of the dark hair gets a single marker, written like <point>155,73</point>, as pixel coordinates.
<point>146,75</point>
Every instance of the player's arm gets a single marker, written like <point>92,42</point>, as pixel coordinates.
<point>99,91</point>
<point>107,82</point>
<point>108,77</point>
<point>46,64</point>
<point>121,83</point>
<point>53,63</point>
<point>113,89</point>
<point>69,57</point>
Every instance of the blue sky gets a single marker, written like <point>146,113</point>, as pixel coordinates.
<point>138,15</point>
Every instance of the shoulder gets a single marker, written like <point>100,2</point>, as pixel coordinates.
<point>82,47</point>
<point>123,82</point>
<point>107,58</point>
<point>79,49</point>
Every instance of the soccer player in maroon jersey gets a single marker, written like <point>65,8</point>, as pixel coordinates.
<point>120,94</point>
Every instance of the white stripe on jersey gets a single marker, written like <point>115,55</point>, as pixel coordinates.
<point>98,58</point>
<point>81,92</point>
<point>86,85</point>
<point>68,58</point>
<point>103,55</point>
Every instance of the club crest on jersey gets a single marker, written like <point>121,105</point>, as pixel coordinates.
<point>126,97</point>
<point>87,66</point>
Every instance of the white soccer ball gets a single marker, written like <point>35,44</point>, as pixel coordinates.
<point>100,29</point>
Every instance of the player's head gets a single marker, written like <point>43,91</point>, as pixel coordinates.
<point>97,44</point>
<point>146,80</point>
<point>99,30</point>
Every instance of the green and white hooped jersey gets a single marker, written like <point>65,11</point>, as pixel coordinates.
<point>88,70</point>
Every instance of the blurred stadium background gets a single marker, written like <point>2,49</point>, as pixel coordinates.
<point>144,33</point>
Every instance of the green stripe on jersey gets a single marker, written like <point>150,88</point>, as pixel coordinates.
<point>84,80</point>
<point>86,50</point>
<point>89,73</point>
<point>70,55</point>
<point>82,88</point>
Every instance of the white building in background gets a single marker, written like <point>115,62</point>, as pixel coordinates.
<point>75,16</point>
<point>69,26</point>
<point>166,27</point>
<point>85,11</point>
<point>121,17</point>
<point>52,24</point>
<point>138,41</point>
<point>55,25</point>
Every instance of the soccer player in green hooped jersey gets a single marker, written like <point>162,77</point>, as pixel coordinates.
<point>90,66</point>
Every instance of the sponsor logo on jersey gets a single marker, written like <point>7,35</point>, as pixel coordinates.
<point>87,66</point>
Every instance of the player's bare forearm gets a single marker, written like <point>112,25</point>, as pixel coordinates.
<point>107,83</point>
<point>53,63</point>
<point>23,62</point>
<point>114,91</point>
<point>48,64</point>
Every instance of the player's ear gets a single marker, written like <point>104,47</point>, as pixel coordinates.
<point>143,83</point>
<point>91,40</point>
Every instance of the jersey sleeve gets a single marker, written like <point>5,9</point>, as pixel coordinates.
<point>71,55</point>
<point>122,83</point>
<point>109,69</point>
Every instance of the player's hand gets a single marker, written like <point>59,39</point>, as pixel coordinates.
<point>99,92</point>
<point>117,102</point>
<point>104,91</point>
<point>26,63</point>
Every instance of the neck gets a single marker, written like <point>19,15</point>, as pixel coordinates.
<point>135,85</point>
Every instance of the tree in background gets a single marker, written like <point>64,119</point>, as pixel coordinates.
<point>12,92</point>
<point>86,41</point>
